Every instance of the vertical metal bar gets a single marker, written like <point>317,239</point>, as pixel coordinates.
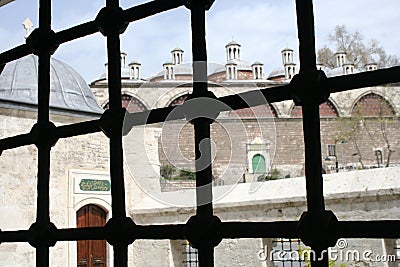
<point>116,156</point>
<point>206,257</point>
<point>199,47</point>
<point>116,152</point>
<point>313,161</point>
<point>305,27</point>
<point>43,146</point>
<point>311,123</point>
<point>43,216</point>
<point>203,168</point>
<point>201,126</point>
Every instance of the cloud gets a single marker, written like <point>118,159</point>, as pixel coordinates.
<point>263,27</point>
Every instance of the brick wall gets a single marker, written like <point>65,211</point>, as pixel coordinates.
<point>231,136</point>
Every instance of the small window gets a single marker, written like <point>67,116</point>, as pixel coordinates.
<point>378,153</point>
<point>332,150</point>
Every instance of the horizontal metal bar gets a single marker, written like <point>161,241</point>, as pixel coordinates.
<point>63,131</point>
<point>279,229</point>
<point>238,101</point>
<point>152,116</point>
<point>282,229</point>
<point>14,53</point>
<point>149,9</point>
<point>15,236</point>
<point>173,232</point>
<point>369,229</point>
<point>141,232</point>
<point>76,32</point>
<point>131,14</point>
<point>84,233</point>
<point>363,79</point>
<point>81,128</point>
<point>16,141</point>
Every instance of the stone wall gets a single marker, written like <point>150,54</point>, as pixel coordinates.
<point>360,195</point>
<point>18,188</point>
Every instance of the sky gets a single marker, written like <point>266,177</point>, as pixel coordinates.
<point>262,27</point>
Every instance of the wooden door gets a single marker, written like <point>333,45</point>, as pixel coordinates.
<point>91,253</point>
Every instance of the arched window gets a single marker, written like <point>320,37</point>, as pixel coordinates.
<point>131,104</point>
<point>258,164</point>
<point>326,110</point>
<point>372,105</point>
<point>179,100</point>
<point>262,111</point>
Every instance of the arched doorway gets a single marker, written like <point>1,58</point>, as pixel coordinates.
<point>258,164</point>
<point>91,253</point>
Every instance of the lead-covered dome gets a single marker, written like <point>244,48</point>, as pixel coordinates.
<point>68,90</point>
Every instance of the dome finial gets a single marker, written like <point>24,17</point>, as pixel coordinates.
<point>28,24</point>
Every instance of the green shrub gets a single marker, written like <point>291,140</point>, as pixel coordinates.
<point>187,175</point>
<point>167,171</point>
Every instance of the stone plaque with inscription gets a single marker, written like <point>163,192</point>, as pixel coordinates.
<point>94,185</point>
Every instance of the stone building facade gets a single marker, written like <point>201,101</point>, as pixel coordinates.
<point>80,165</point>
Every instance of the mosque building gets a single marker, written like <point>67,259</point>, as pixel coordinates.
<point>273,129</point>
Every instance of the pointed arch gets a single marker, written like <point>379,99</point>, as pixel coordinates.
<point>131,103</point>
<point>372,105</point>
<point>178,100</point>
<point>326,110</point>
<point>265,111</point>
<point>262,111</point>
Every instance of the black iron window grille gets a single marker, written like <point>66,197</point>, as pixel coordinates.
<point>290,247</point>
<point>317,228</point>
<point>190,255</point>
<point>397,251</point>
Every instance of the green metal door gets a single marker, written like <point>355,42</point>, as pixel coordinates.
<point>258,164</point>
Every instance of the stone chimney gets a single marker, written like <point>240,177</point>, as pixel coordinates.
<point>169,71</point>
<point>232,51</point>
<point>340,57</point>
<point>288,64</point>
<point>257,68</point>
<point>134,70</point>
<point>177,56</point>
